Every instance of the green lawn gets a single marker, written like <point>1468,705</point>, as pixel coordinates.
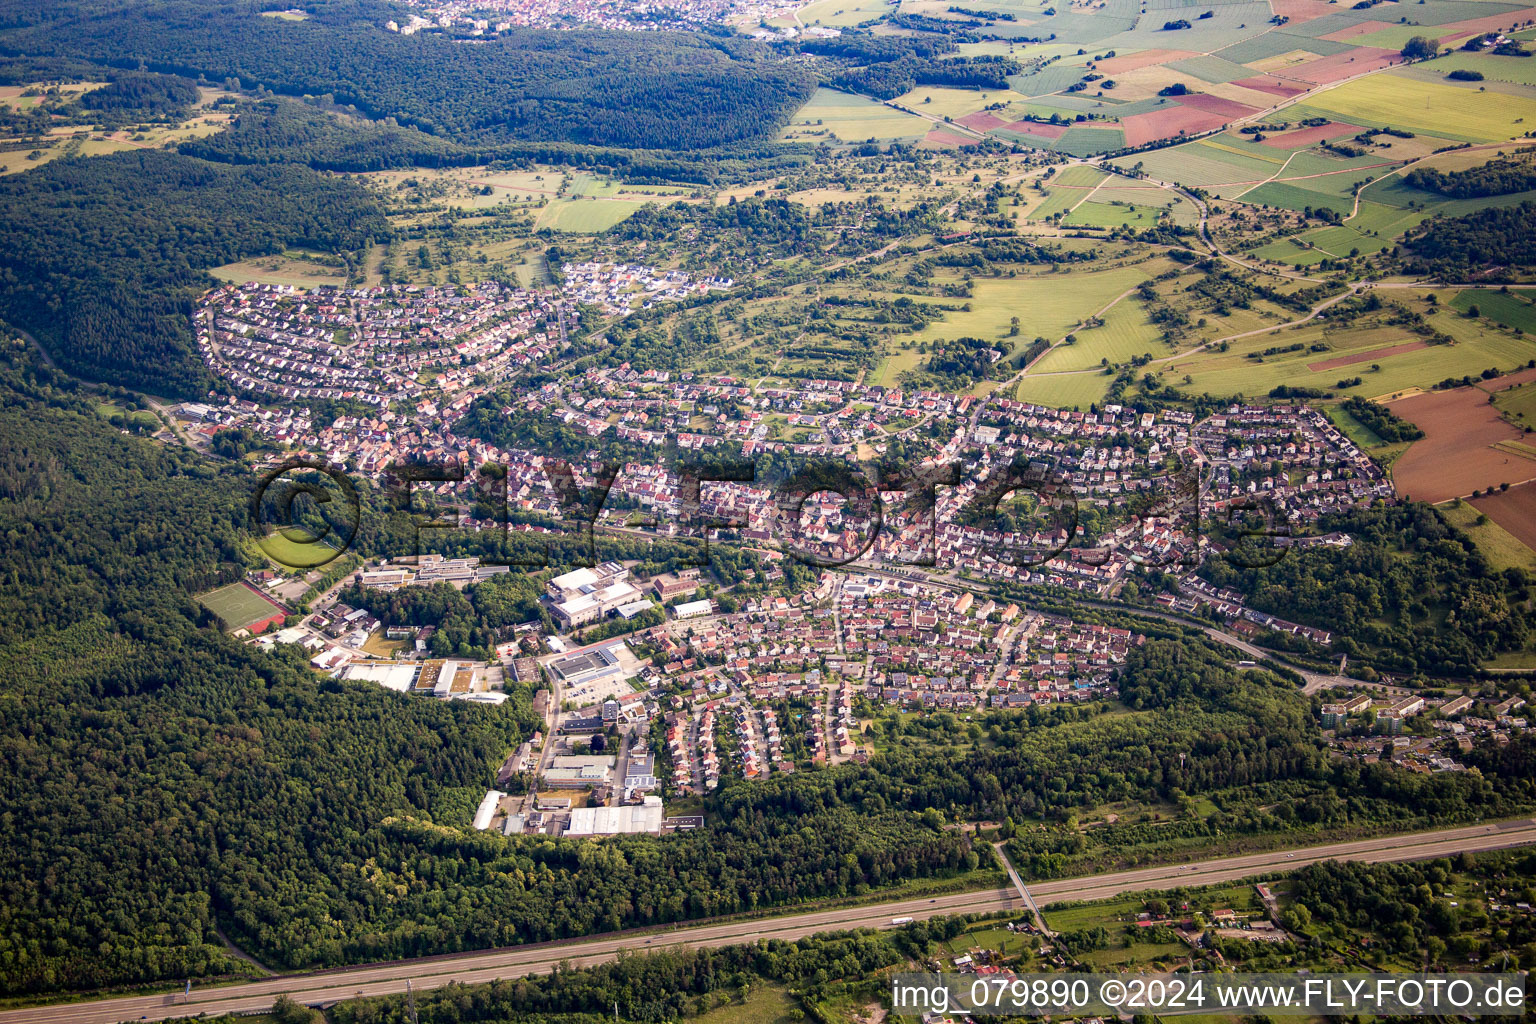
<point>141,417</point>
<point>1063,390</point>
<point>293,549</point>
<point>1079,174</point>
<point>842,13</point>
<point>1353,429</point>
<point>1518,404</point>
<point>1047,305</point>
<point>1494,68</point>
<point>1094,214</point>
<point>1294,197</point>
<point>1088,141</point>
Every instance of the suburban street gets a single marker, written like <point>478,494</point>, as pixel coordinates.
<point>471,968</point>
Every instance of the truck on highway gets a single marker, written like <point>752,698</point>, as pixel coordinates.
<point>901,920</point>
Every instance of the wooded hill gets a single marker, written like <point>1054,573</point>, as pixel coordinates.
<point>103,258</point>
<point>648,90</point>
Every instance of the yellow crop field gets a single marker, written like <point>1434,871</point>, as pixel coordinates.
<point>1444,110</point>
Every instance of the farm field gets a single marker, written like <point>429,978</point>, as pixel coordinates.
<point>584,216</point>
<point>1507,308</point>
<point>239,606</point>
<point>1514,512</point>
<point>1456,456</point>
<point>849,118</point>
<point>1209,162</point>
<point>1397,100</point>
<point>1501,547</point>
<point>942,101</point>
<point>1476,348</point>
<point>1516,70</point>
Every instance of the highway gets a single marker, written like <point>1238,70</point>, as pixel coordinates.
<point>390,978</point>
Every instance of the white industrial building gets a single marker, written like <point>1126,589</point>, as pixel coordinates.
<point>586,595</point>
<point>487,809</point>
<point>610,821</point>
<point>692,609</point>
<point>399,678</point>
<point>585,770</point>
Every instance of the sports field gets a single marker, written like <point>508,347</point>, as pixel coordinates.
<point>239,606</point>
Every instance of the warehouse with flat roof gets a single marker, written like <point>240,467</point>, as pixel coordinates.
<point>611,821</point>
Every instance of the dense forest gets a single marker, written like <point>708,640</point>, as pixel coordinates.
<point>156,94</point>
<point>285,131</point>
<point>650,90</point>
<point>1453,248</point>
<point>888,80</point>
<point>277,130</point>
<point>103,258</point>
<point>1495,178</point>
<point>156,777</point>
<point>1386,608</point>
<point>886,66</point>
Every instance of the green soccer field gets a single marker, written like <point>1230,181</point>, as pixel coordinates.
<point>238,605</point>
